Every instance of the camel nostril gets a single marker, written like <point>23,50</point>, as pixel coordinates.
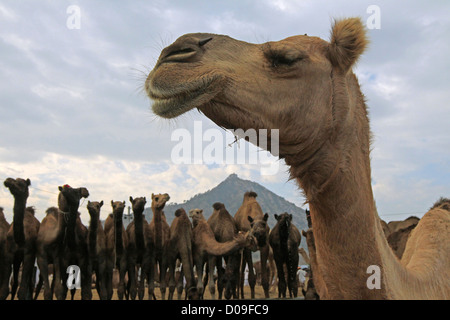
<point>202,42</point>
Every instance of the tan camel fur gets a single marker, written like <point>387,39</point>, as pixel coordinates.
<point>179,248</point>
<point>250,218</point>
<point>138,252</point>
<point>304,86</point>
<point>97,248</point>
<point>21,241</point>
<point>205,247</point>
<point>116,254</point>
<point>58,243</point>
<point>225,229</point>
<point>160,234</point>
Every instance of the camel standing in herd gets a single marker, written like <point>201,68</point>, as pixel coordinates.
<point>160,233</point>
<point>250,218</point>
<point>20,242</point>
<point>60,242</point>
<point>285,239</point>
<point>225,229</point>
<point>205,248</point>
<point>116,244</point>
<point>97,247</point>
<point>180,247</point>
<point>138,251</point>
<point>304,87</point>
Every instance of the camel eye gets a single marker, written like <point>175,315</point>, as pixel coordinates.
<point>156,199</point>
<point>277,61</point>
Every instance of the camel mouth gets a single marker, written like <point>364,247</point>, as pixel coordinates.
<point>172,102</point>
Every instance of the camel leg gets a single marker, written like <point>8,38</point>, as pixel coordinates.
<point>220,273</point>
<point>172,281</point>
<point>43,270</point>
<point>57,281</point>
<point>108,278</point>
<point>144,273</point>
<point>86,279</point>
<point>281,277</point>
<point>4,281</point>
<point>292,274</point>
<point>212,283</point>
<point>242,272</point>
<point>27,274</point>
<point>132,280</point>
<point>18,258</point>
<point>264,254</point>
<point>179,284</point>
<point>122,272</point>
<point>251,277</point>
<point>162,280</point>
<point>151,276</point>
<point>199,268</point>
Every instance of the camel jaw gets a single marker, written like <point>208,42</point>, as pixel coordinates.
<point>172,100</point>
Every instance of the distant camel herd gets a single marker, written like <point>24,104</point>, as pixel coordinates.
<point>221,245</point>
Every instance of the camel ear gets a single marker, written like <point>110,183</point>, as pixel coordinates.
<point>28,182</point>
<point>304,233</point>
<point>277,217</point>
<point>112,202</point>
<point>290,217</point>
<point>124,202</point>
<point>348,42</point>
<point>201,210</point>
<point>101,203</point>
<point>266,217</point>
<point>60,188</point>
<point>153,195</point>
<point>131,199</point>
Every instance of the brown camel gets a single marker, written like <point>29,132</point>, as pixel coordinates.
<point>116,254</point>
<point>180,247</point>
<point>397,233</point>
<point>138,252</point>
<point>4,274</point>
<point>304,87</point>
<point>205,247</point>
<point>20,241</point>
<point>97,247</point>
<point>250,218</point>
<point>62,242</point>
<point>160,234</point>
<point>225,229</point>
<point>285,239</point>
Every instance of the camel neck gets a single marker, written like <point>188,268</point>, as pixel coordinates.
<point>19,215</point>
<point>337,184</point>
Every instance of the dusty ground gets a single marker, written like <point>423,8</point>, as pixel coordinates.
<point>259,294</point>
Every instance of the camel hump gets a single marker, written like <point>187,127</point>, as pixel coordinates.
<point>442,203</point>
<point>218,206</point>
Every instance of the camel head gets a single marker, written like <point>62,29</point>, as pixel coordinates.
<point>138,204</point>
<point>196,215</point>
<point>94,209</point>
<point>259,229</point>
<point>284,219</point>
<point>118,207</point>
<point>69,198</point>
<point>18,187</point>
<point>287,85</point>
<point>159,200</point>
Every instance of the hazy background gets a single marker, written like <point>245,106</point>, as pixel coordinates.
<point>73,111</point>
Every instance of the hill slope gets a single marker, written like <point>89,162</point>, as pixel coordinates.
<point>231,192</point>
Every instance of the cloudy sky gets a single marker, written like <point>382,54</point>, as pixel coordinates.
<point>73,109</point>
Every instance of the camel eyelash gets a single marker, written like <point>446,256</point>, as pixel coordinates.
<point>278,58</point>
